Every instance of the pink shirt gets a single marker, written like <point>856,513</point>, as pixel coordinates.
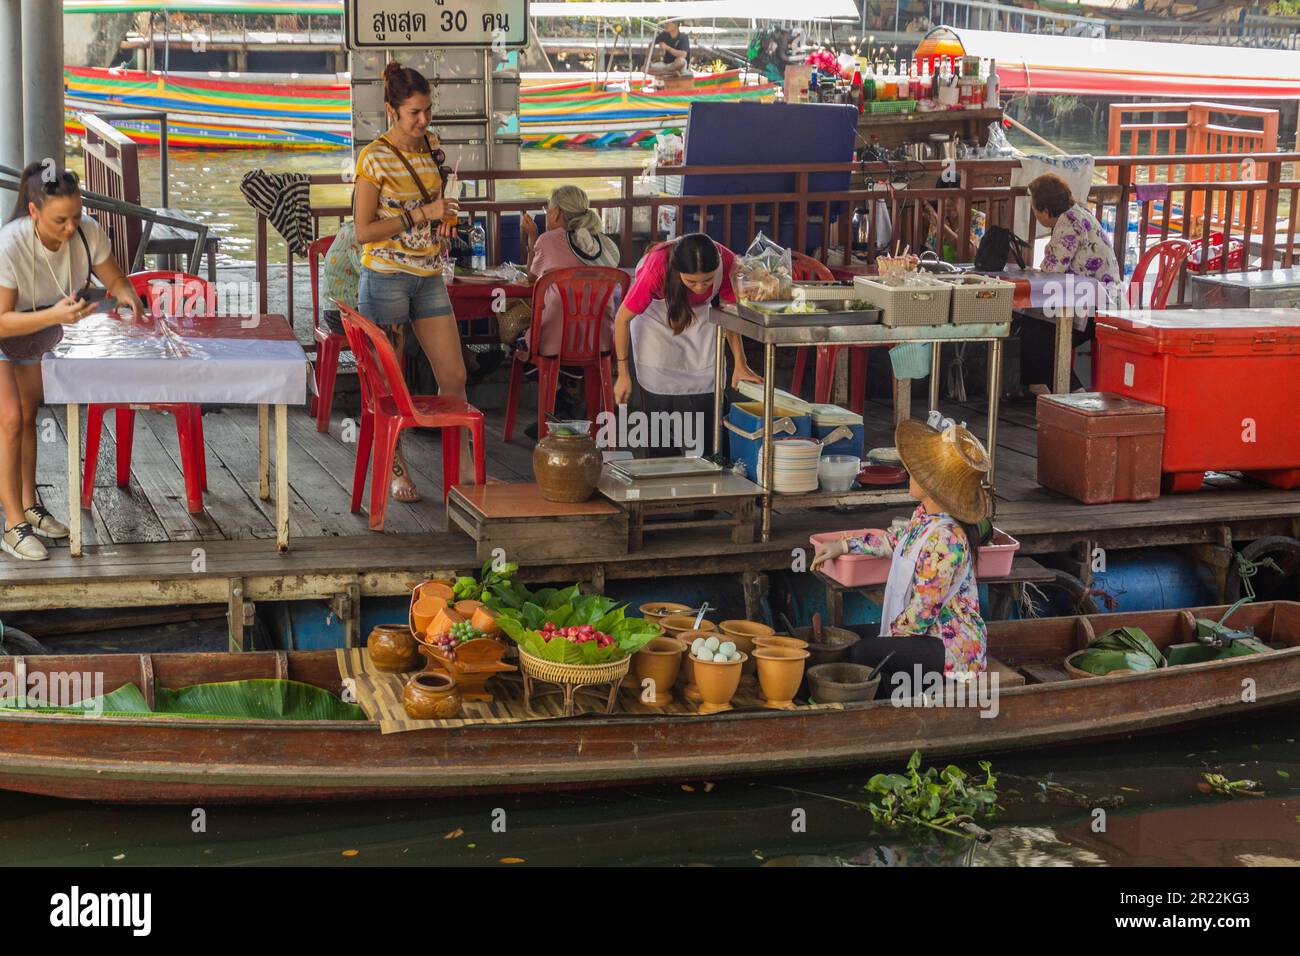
<point>650,275</point>
<point>551,252</point>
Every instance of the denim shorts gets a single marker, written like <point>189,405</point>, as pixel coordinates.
<point>391,298</point>
<point>30,361</point>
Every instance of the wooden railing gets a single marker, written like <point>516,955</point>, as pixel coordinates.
<point>113,170</point>
<point>1187,208</point>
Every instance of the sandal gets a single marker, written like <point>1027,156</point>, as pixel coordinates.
<point>400,490</point>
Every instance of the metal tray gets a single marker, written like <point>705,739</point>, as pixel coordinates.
<point>642,468</point>
<point>837,313</point>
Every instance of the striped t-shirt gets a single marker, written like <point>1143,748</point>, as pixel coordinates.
<point>414,251</point>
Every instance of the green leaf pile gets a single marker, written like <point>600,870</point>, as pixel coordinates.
<point>565,607</point>
<point>1121,648</point>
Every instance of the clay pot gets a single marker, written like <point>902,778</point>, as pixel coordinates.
<point>467,608</point>
<point>656,611</point>
<point>834,647</point>
<point>442,621</point>
<point>567,467</point>
<point>686,679</point>
<point>675,625</point>
<point>717,683</point>
<point>780,640</point>
<point>660,660</point>
<point>429,695</point>
<point>841,683</point>
<point>780,672</point>
<point>392,648</point>
<point>485,619</point>
<point>742,634</point>
<point>436,588</point>
<point>423,610</point>
<point>472,665</point>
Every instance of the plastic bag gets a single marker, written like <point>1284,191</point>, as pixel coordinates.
<point>765,272</point>
<point>997,144</point>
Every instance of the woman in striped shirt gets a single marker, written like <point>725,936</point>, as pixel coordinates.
<point>401,222</point>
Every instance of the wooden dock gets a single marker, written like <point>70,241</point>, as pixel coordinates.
<point>143,549</point>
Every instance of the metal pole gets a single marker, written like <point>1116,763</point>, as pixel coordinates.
<point>11,84</point>
<point>42,82</point>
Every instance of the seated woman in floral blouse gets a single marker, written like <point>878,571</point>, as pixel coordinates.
<point>1079,246</point>
<point>931,613</point>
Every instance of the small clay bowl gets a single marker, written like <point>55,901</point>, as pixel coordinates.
<point>467,608</point>
<point>780,640</point>
<point>834,647</point>
<point>882,475</point>
<point>743,634</point>
<point>675,625</point>
<point>656,611</point>
<point>841,683</point>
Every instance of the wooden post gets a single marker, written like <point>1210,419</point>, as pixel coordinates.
<point>902,398</point>
<point>282,478</point>
<point>264,452</point>
<point>995,395</point>
<point>235,614</point>
<point>1268,234</point>
<point>1064,348</point>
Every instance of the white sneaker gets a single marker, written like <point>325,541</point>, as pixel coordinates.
<point>22,543</point>
<point>44,523</point>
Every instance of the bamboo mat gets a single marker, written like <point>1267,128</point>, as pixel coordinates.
<point>379,694</point>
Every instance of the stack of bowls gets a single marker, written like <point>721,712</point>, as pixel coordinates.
<point>794,464</point>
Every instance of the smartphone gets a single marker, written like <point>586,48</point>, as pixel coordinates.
<point>100,296</point>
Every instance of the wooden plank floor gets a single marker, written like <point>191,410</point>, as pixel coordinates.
<point>143,532</point>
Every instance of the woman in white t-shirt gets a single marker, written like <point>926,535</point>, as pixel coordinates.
<point>48,253</point>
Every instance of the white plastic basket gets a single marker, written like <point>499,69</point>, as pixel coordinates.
<point>980,299</point>
<point>922,302</point>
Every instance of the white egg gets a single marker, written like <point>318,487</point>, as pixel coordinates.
<point>697,645</point>
<point>712,643</point>
<point>728,647</point>
<point>704,655</point>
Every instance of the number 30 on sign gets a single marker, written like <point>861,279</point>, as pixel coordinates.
<point>488,24</point>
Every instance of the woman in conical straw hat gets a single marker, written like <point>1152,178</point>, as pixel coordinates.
<point>931,612</point>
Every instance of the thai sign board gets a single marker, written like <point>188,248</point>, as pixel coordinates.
<point>484,24</point>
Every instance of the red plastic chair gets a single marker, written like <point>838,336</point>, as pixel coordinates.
<point>585,294</point>
<point>329,345</point>
<point>808,269</point>
<point>164,293</point>
<point>1169,257</point>
<point>387,407</point>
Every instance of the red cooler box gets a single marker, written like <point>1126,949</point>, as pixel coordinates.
<point>1229,381</point>
<point>1098,448</point>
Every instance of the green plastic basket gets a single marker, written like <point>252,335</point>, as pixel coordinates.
<point>891,106</point>
<point>911,360</point>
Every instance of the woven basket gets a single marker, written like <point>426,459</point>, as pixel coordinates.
<point>557,673</point>
<point>891,106</point>
<point>911,360</point>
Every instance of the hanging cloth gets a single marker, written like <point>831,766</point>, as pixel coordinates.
<point>285,200</point>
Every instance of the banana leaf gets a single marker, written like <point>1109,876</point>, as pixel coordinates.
<point>257,699</point>
<point>1099,661</point>
<point>126,701</point>
<point>1130,640</point>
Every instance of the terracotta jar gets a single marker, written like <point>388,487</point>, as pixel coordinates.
<point>466,608</point>
<point>780,672</point>
<point>660,661</point>
<point>717,683</point>
<point>429,695</point>
<point>567,467</point>
<point>656,611</point>
<point>425,608</point>
<point>675,625</point>
<point>742,634</point>
<point>443,621</point>
<point>686,679</point>
<point>392,647</point>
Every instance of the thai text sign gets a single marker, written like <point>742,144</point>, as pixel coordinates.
<point>489,24</point>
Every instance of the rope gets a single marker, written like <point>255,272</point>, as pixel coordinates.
<point>1028,606</point>
<point>1248,569</point>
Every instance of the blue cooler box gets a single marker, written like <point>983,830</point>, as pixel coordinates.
<point>827,418</point>
<point>744,425</point>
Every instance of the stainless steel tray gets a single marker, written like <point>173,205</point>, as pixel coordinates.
<point>642,468</point>
<point>837,313</point>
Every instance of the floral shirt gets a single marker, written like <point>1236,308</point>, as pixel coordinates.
<point>1079,246</point>
<point>942,561</point>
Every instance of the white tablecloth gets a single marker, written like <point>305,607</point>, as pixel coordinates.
<point>238,360</point>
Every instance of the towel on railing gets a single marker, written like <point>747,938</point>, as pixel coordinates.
<point>1075,170</point>
<point>284,199</point>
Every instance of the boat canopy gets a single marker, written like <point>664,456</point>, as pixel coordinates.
<point>1031,63</point>
<point>324,8</point>
<point>650,9</point>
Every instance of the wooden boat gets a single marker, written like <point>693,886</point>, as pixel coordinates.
<point>177,760</point>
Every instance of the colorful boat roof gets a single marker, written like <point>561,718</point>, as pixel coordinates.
<point>649,9</point>
<point>326,8</point>
<point>1030,63</point>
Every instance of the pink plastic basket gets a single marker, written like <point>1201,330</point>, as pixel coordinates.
<point>993,560</point>
<point>853,570</point>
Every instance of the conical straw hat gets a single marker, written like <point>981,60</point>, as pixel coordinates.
<point>952,466</point>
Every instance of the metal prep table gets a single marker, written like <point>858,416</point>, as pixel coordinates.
<point>774,337</point>
<point>1271,288</point>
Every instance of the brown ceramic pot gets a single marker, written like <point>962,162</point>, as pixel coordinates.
<point>780,640</point>
<point>675,625</point>
<point>429,695</point>
<point>392,648</point>
<point>424,610</point>
<point>472,665</point>
<point>442,622</point>
<point>567,467</point>
<point>742,634</point>
<point>656,611</point>
<point>717,683</point>
<point>780,672</point>
<point>686,679</point>
<point>834,647</point>
<point>659,661</point>
<point>467,608</point>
